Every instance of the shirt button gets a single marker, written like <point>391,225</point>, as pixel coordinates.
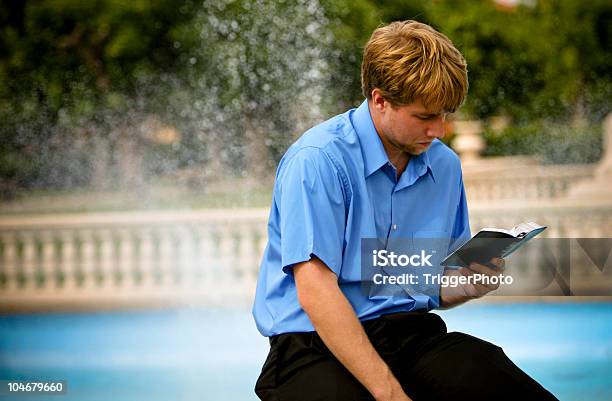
<point>394,227</point>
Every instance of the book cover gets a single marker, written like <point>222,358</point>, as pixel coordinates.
<point>490,243</point>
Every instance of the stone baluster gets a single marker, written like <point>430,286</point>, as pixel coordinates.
<point>205,256</point>
<point>9,261</point>
<point>196,275</point>
<point>146,258</point>
<point>88,260</point>
<point>165,257</point>
<point>195,268</point>
<point>49,272</point>
<point>211,261</point>
<point>225,266</point>
<point>185,256</point>
<point>28,263</point>
<point>107,262</point>
<point>126,259</point>
<point>248,258</point>
<point>68,260</point>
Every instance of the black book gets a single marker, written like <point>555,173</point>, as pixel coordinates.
<point>491,243</point>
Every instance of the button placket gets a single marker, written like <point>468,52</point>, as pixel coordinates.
<point>393,230</point>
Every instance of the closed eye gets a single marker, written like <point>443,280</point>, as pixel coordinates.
<point>427,117</point>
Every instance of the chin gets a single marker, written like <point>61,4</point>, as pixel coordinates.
<point>416,151</point>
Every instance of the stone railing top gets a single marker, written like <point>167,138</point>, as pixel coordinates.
<point>134,218</point>
<point>521,167</point>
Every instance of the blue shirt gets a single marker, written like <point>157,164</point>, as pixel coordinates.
<point>333,187</point>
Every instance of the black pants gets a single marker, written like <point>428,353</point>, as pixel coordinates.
<point>430,363</point>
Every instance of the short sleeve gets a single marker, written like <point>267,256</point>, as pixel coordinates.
<point>312,210</point>
<point>461,226</point>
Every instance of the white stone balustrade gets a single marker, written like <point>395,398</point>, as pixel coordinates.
<point>130,259</point>
<point>199,257</point>
<point>516,180</point>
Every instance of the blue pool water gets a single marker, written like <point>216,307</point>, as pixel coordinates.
<point>215,355</point>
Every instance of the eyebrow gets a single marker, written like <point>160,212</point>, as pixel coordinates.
<point>428,114</point>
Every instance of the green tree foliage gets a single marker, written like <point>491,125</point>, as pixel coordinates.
<point>240,78</point>
<point>549,60</point>
<point>70,70</point>
<point>237,78</point>
<point>546,64</point>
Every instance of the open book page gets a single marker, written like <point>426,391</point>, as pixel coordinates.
<point>525,228</point>
<point>526,231</point>
<point>519,231</point>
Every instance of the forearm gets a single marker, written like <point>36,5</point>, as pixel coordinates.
<point>336,323</point>
<point>334,320</point>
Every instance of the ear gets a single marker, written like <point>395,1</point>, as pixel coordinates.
<point>378,101</point>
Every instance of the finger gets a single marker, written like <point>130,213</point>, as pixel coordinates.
<point>469,290</point>
<point>491,285</point>
<point>465,271</point>
<point>484,286</point>
<point>483,269</point>
<point>499,263</point>
<point>477,289</point>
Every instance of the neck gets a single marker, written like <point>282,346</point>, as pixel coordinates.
<point>398,157</point>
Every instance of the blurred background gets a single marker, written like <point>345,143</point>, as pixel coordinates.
<point>138,147</point>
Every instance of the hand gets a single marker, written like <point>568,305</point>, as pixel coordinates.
<point>450,296</point>
<point>395,393</point>
<point>397,397</point>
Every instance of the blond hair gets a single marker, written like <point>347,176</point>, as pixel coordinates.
<point>409,61</point>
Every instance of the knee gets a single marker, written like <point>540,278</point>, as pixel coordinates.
<point>470,343</point>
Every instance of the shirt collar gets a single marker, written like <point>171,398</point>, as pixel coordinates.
<point>424,158</point>
<point>372,149</point>
<point>417,167</point>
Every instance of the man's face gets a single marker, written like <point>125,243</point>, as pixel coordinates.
<point>410,128</point>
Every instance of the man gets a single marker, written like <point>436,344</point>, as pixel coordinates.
<point>378,171</point>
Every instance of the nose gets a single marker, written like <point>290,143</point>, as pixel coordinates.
<point>436,129</point>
